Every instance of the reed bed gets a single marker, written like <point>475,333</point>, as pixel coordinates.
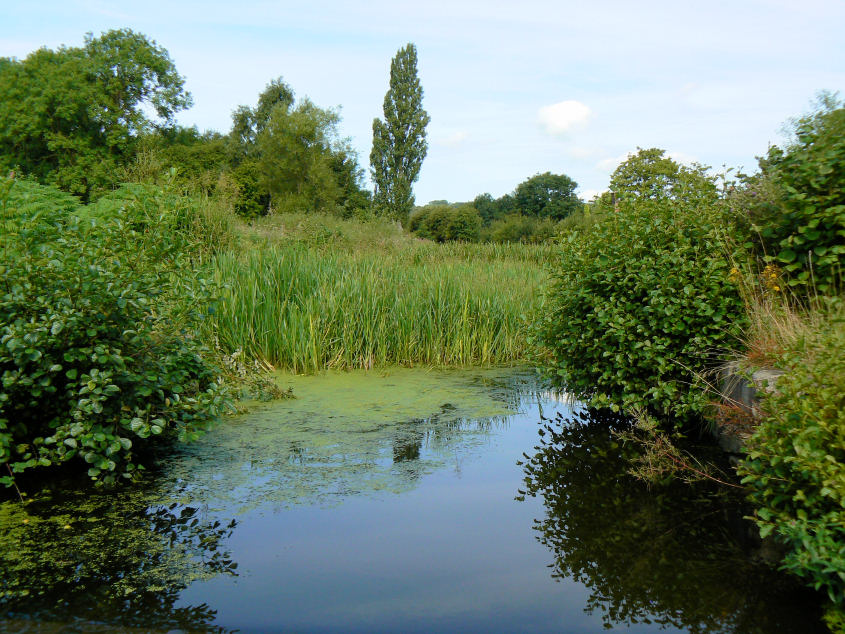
<point>326,232</point>
<point>307,309</point>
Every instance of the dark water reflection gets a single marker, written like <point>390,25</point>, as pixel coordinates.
<point>678,555</point>
<point>91,561</point>
<point>301,517</point>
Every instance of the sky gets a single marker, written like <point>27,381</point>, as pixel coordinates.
<point>513,89</point>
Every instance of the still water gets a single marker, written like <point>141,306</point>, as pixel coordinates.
<point>404,501</point>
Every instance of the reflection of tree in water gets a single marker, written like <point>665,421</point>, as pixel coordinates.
<point>680,555</point>
<point>407,446</point>
<point>97,559</point>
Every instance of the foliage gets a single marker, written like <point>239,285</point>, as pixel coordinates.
<point>72,116</point>
<point>199,158</point>
<point>795,467</point>
<point>445,222</point>
<point>518,228</point>
<point>639,306</point>
<point>380,237</point>
<point>547,196</point>
<point>355,199</point>
<point>676,554</point>
<point>288,156</point>
<point>585,218</point>
<point>248,123</point>
<point>93,362</point>
<point>797,202</point>
<point>315,305</point>
<point>253,200</point>
<point>542,196</point>
<point>295,150</point>
<point>399,143</point>
<point>492,209</point>
<point>650,175</point>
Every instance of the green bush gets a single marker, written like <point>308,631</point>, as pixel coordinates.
<point>801,223</point>
<point>795,467</point>
<point>93,359</point>
<point>252,201</point>
<point>518,228</point>
<point>638,305</point>
<point>443,222</point>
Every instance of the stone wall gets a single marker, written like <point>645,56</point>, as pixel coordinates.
<point>740,390</point>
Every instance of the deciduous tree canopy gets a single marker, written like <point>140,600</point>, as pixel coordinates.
<point>547,196</point>
<point>651,175</point>
<point>71,116</point>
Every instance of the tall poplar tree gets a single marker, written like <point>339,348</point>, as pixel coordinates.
<point>399,144</point>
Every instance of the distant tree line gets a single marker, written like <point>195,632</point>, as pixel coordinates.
<point>530,213</point>
<point>87,118</point>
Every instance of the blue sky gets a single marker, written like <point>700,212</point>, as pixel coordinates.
<point>513,89</point>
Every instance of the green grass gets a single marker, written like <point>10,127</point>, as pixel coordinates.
<point>322,231</point>
<point>307,308</point>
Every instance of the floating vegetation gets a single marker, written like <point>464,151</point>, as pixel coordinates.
<point>345,433</point>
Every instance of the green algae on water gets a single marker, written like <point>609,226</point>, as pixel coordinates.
<point>122,557</point>
<point>345,433</point>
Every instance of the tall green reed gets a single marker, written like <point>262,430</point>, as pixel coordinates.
<point>307,309</point>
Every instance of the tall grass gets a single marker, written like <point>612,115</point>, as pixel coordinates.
<point>322,231</point>
<point>306,309</point>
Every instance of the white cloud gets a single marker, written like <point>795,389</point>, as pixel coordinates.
<point>562,117</point>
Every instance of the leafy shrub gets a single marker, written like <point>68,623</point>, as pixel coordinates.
<point>445,222</point>
<point>795,466</point>
<point>519,228</point>
<point>801,222</point>
<point>252,201</point>
<point>200,224</point>
<point>584,218</point>
<point>637,306</point>
<point>93,363</point>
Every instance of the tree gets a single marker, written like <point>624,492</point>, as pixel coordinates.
<point>290,155</point>
<point>295,151</point>
<point>399,142</point>
<point>650,175</point>
<point>71,116</point>
<point>248,122</point>
<point>547,196</point>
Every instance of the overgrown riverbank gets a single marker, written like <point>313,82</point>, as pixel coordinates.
<point>675,279</point>
<point>137,319</point>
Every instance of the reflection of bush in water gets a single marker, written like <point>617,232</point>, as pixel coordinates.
<point>106,560</point>
<point>679,555</point>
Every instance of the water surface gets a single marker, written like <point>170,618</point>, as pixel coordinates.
<point>405,500</point>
